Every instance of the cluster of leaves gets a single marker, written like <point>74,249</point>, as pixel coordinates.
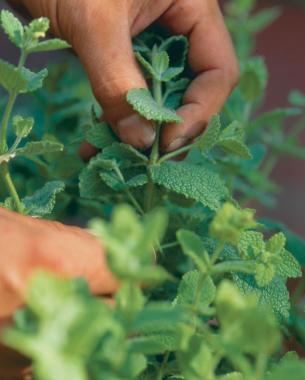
<point>203,285</point>
<point>18,80</point>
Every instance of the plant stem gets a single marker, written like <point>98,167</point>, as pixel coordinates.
<point>157,94</point>
<point>5,174</point>
<point>162,367</point>
<point>234,266</point>
<point>174,154</point>
<point>5,121</point>
<point>4,168</point>
<point>128,192</point>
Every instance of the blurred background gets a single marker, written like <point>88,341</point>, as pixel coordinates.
<point>283,46</point>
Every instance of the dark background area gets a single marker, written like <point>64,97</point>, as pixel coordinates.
<point>283,46</point>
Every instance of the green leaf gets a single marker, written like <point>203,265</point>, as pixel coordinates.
<point>297,98</point>
<point>11,78</point>
<point>90,184</point>
<point>160,63</point>
<point>124,154</point>
<point>38,27</point>
<point>42,202</point>
<point>231,140</point>
<point>229,223</point>
<point>171,73</point>
<point>137,239</point>
<point>253,79</point>
<point>274,117</point>
<point>192,285</point>
<point>34,80</point>
<point>145,64</point>
<point>113,181</point>
<point>177,49</point>
<point>12,27</point>
<point>157,317</point>
<point>99,135</point>
<point>262,19</point>
<point>274,295</point>
<point>197,362</point>
<point>195,182</point>
<point>22,126</point>
<point>142,102</point>
<point>49,45</point>
<point>289,368</point>
<point>245,326</point>
<point>36,148</point>
<point>193,247</point>
<point>210,136</point>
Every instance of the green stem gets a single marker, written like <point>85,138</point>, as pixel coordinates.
<point>5,121</point>
<point>10,186</point>
<point>162,367</point>
<point>157,94</point>
<point>128,192</point>
<point>234,266</point>
<point>176,153</point>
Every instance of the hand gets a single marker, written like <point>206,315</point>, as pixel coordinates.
<point>28,244</point>
<point>100,31</point>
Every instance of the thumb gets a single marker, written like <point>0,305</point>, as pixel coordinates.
<point>105,49</point>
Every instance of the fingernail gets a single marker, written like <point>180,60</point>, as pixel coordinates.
<point>176,144</point>
<point>136,129</point>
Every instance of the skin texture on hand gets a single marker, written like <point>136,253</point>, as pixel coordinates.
<point>100,32</point>
<point>28,244</point>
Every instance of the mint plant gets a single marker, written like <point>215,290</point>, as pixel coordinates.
<point>18,80</point>
<point>203,290</point>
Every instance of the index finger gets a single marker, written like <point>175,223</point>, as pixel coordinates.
<point>212,58</point>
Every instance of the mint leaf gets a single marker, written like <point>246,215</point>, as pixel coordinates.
<point>22,126</point>
<point>142,101</point>
<point>188,289</point>
<point>160,63</point>
<point>99,134</point>
<point>42,202</point>
<point>11,78</point>
<point>275,295</point>
<point>146,65</point>
<point>196,182</point>
<point>36,148</point>
<point>210,136</point>
<point>49,45</point>
<point>12,27</point>
<point>193,246</point>
<point>253,79</point>
<point>90,183</point>
<point>34,80</point>
<point>171,73</point>
<point>177,49</point>
<point>231,140</point>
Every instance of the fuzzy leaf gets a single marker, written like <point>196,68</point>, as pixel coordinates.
<point>22,126</point>
<point>12,27</point>
<point>193,247</point>
<point>11,78</point>
<point>275,295</point>
<point>160,63</point>
<point>42,202</point>
<point>49,45</point>
<point>38,27</point>
<point>90,184</point>
<point>171,73</point>
<point>177,49</point>
<point>34,80</point>
<point>210,136</point>
<point>231,140</point>
<point>145,64</point>
<point>195,182</point>
<point>253,79</point>
<point>142,101</point>
<point>99,135</point>
<point>188,289</point>
<point>36,148</point>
